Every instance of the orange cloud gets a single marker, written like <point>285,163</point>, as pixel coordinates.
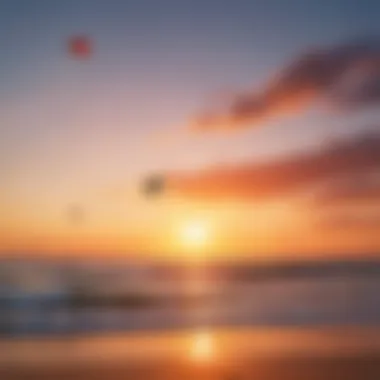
<point>348,75</point>
<point>357,191</point>
<point>250,181</point>
<point>351,223</point>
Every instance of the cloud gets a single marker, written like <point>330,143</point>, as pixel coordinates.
<point>347,75</point>
<point>255,181</point>
<point>347,222</point>
<point>358,190</point>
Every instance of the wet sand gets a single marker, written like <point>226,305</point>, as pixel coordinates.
<point>345,368</point>
<point>208,354</point>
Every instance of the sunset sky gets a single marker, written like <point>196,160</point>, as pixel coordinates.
<point>78,136</point>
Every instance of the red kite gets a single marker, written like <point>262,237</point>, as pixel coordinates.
<point>80,47</point>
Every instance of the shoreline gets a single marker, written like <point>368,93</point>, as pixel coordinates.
<point>178,345</point>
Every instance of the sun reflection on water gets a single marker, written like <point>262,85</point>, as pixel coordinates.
<point>202,346</point>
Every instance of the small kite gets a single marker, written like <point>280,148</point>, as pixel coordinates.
<point>153,185</point>
<point>75,214</point>
<point>80,47</point>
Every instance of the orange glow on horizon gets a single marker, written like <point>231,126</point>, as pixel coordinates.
<point>174,232</point>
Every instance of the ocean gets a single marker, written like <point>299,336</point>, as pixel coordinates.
<point>317,301</point>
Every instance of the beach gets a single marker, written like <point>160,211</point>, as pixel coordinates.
<point>320,353</point>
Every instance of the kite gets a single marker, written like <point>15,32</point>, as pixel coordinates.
<point>153,185</point>
<point>75,214</point>
<point>80,47</point>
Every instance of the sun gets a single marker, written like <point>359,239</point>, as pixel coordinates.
<point>194,234</point>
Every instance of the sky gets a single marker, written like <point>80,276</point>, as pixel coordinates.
<point>77,136</point>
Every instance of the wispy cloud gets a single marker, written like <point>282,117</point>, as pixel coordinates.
<point>347,222</point>
<point>347,75</point>
<point>358,190</point>
<point>255,181</point>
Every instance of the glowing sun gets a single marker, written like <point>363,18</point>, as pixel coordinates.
<point>194,234</point>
